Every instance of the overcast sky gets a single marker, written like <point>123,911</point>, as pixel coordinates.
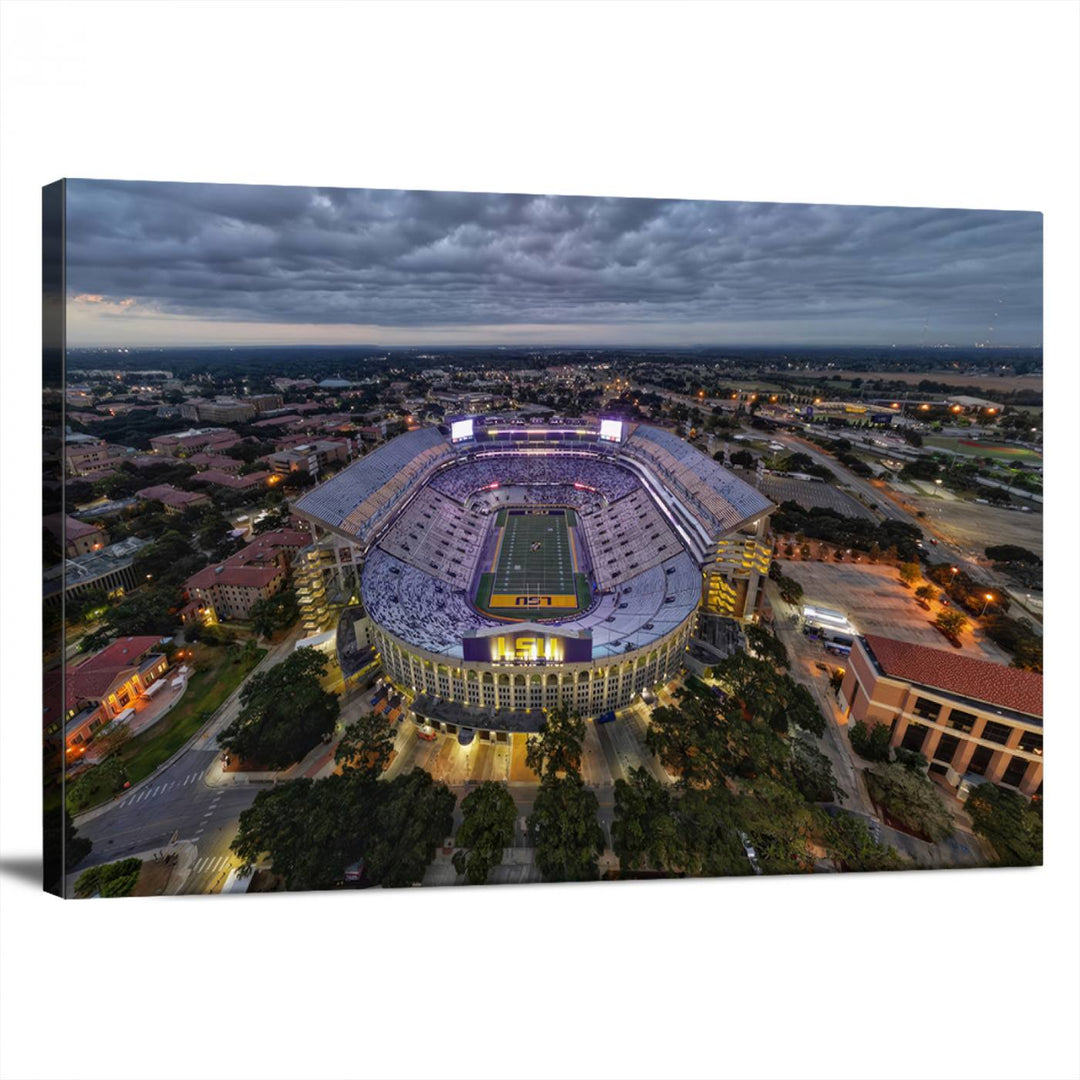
<point>204,264</point>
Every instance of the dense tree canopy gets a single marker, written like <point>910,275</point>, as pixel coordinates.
<point>1012,824</point>
<point>312,830</point>
<point>556,748</point>
<point>860,534</point>
<point>366,747</point>
<point>565,832</point>
<point>679,830</point>
<point>272,613</point>
<point>489,816</point>
<point>284,713</point>
<point>911,800</point>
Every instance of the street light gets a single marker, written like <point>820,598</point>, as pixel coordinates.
<point>989,597</point>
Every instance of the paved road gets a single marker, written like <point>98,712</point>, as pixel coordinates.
<point>176,802</point>
<point>941,552</point>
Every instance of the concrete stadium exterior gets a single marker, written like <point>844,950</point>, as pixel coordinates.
<point>661,522</point>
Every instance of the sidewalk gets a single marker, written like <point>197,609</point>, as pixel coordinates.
<point>186,853</point>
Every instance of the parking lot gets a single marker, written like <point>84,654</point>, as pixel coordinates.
<point>809,494</point>
<point>876,603</point>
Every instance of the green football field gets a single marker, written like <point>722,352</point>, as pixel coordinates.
<point>534,556</point>
<point>534,570</point>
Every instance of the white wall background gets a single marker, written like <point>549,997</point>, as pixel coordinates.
<point>944,104</point>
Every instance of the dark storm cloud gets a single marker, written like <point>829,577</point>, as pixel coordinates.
<point>415,260</point>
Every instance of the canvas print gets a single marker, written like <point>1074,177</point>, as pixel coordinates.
<point>429,538</point>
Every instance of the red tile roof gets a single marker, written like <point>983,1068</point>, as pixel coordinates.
<point>92,679</point>
<point>252,577</point>
<point>215,476</point>
<point>171,496</point>
<point>980,680</point>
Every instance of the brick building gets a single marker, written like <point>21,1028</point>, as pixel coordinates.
<point>968,717</point>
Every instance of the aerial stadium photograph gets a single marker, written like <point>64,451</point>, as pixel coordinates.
<point>428,538</point>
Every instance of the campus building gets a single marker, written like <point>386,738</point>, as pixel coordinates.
<point>108,572</point>
<point>105,687</point>
<point>967,717</point>
<point>228,590</point>
<point>312,458</point>
<point>76,537</point>
<point>172,498</point>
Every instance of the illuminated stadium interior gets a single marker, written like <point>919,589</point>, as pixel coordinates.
<point>517,569</point>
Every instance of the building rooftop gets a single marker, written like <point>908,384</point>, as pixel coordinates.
<point>978,680</point>
<point>64,526</point>
<point>87,568</point>
<point>93,677</point>
<point>253,577</point>
<point>223,479</point>
<point>170,496</point>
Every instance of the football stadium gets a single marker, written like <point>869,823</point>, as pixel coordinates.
<point>507,569</point>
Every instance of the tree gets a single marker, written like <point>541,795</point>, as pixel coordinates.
<point>366,747</point>
<point>645,834</point>
<point>780,823</point>
<point>564,829</point>
<point>790,590</point>
<point>910,799</point>
<point>556,748</point>
<point>743,458</point>
<point>925,592</point>
<point>284,713</point>
<point>109,879</point>
<point>489,815</point>
<point>312,830</point>
<point>951,623</point>
<point>769,695</point>
<point>1011,824</point>
<point>765,645</point>
<point>851,846</point>
<point>871,743</point>
<point>677,830</point>
<point>909,573</point>
<point>272,613</point>
<point>813,773</point>
<point>415,814</point>
<point>96,784</point>
<point>1007,553</point>
<point>709,739</point>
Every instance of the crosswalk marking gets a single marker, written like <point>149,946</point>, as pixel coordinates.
<point>210,864</point>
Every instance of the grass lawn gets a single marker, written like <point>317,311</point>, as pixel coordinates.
<point>141,755</point>
<point>206,692</point>
<point>982,449</point>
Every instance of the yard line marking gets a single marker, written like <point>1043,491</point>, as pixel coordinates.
<point>196,865</point>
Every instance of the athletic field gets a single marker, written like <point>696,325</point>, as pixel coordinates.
<point>982,449</point>
<point>534,570</point>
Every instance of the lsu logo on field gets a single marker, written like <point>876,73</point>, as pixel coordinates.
<point>533,601</point>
